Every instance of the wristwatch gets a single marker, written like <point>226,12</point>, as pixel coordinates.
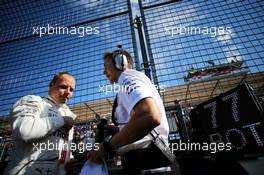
<point>106,144</point>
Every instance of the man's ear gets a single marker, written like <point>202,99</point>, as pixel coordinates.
<point>113,65</point>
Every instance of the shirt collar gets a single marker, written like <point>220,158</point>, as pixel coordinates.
<point>54,102</point>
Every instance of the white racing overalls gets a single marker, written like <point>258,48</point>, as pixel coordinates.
<point>38,133</point>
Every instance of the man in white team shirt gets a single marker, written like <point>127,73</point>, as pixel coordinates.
<point>40,126</point>
<point>139,110</point>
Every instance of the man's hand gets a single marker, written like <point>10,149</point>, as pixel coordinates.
<point>112,129</point>
<point>96,156</point>
<point>68,122</point>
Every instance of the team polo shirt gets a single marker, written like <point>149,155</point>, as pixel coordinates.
<point>133,87</point>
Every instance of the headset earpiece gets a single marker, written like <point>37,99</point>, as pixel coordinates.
<point>120,59</point>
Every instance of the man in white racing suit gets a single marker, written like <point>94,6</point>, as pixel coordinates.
<point>39,128</point>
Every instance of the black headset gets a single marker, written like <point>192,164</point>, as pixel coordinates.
<point>120,59</point>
